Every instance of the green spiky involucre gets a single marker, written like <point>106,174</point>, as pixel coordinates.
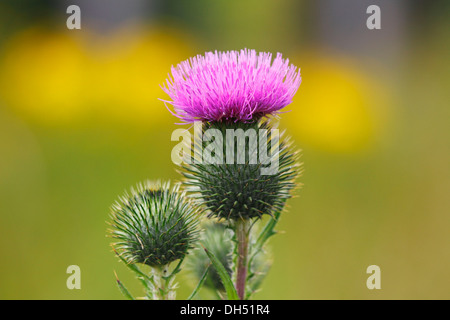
<point>154,224</point>
<point>235,189</point>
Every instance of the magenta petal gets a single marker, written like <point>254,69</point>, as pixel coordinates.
<point>231,86</point>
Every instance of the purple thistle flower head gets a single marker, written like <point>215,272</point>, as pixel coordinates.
<point>231,86</point>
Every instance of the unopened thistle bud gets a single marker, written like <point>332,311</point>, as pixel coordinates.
<point>153,225</point>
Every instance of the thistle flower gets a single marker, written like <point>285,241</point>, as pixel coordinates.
<point>153,225</point>
<point>230,92</point>
<point>231,86</point>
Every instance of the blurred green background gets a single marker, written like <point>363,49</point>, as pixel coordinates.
<point>80,122</point>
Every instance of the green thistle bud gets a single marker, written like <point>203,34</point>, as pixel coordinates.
<point>218,239</point>
<point>238,187</point>
<point>154,225</point>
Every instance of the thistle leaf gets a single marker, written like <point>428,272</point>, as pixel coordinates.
<point>200,283</point>
<point>123,289</point>
<point>226,280</point>
<point>142,277</point>
<point>268,231</point>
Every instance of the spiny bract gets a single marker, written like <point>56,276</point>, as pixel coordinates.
<point>153,225</point>
<point>240,190</point>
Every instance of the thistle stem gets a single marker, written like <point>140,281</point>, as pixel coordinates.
<point>242,236</point>
<point>163,288</point>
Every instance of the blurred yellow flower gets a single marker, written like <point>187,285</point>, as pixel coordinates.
<point>54,78</point>
<point>42,76</point>
<point>127,79</point>
<point>335,109</point>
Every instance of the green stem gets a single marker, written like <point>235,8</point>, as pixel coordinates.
<point>163,288</point>
<point>242,227</point>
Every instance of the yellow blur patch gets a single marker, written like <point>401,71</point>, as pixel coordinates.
<point>42,76</point>
<point>52,78</point>
<point>335,109</point>
<point>128,78</point>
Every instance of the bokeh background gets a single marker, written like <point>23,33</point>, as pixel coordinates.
<point>80,122</point>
